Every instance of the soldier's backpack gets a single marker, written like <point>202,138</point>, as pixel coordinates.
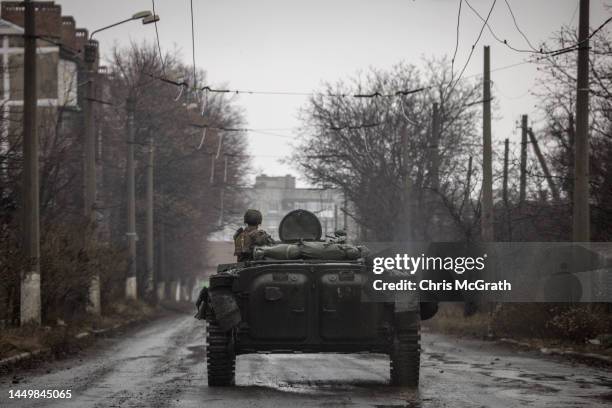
<point>246,240</point>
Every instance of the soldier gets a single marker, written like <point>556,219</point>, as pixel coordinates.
<point>246,238</point>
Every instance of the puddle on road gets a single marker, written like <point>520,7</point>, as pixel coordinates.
<point>343,393</point>
<point>544,383</point>
<point>606,397</point>
<point>543,377</point>
<point>144,356</point>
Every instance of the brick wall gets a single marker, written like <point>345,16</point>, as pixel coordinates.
<point>81,39</point>
<point>69,32</point>
<point>48,17</point>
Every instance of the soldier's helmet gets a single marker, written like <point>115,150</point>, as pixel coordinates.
<point>252,217</point>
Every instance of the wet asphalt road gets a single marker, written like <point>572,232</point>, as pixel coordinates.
<point>162,365</point>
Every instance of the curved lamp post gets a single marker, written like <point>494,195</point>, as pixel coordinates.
<point>146,16</point>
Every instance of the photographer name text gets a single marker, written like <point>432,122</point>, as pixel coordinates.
<point>429,285</point>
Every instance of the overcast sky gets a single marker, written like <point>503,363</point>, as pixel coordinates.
<point>290,45</point>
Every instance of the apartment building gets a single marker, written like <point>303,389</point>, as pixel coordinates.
<point>275,196</point>
<point>60,66</point>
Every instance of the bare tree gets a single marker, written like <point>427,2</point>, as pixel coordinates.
<point>557,91</point>
<point>380,150</point>
<point>197,175</point>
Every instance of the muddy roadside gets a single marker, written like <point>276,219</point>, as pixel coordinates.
<point>25,347</point>
<point>593,349</point>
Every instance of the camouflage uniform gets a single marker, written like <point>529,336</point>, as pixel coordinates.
<point>246,239</point>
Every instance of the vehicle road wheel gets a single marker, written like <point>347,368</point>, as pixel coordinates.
<point>220,358</point>
<point>406,354</point>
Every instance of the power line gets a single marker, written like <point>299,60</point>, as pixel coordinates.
<point>167,80</point>
<point>333,95</point>
<point>512,98</point>
<point>553,53</point>
<point>161,56</point>
<point>184,84</point>
<point>271,134</point>
<point>456,40</point>
<point>349,127</point>
<point>517,26</point>
<point>474,45</point>
<point>290,93</point>
<point>193,44</point>
<point>495,36</point>
<point>265,131</point>
<point>574,14</point>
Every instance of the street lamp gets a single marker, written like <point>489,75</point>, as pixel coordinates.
<point>91,48</point>
<point>146,16</point>
<point>150,19</point>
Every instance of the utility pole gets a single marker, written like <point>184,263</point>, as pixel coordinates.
<point>434,176</point>
<point>89,167</point>
<point>571,136</point>
<point>486,223</point>
<point>335,217</point>
<point>581,211</point>
<point>222,192</point>
<point>487,154</point>
<point>405,230</point>
<point>523,175</point>
<point>505,189</point>
<point>30,302</point>
<point>131,289</point>
<point>150,286</point>
<point>468,187</point>
<point>540,156</point>
<point>435,153</point>
<point>505,185</point>
<point>345,213</point>
<point>161,268</point>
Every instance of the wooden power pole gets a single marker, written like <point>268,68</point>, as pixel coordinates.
<point>161,267</point>
<point>487,155</point>
<point>131,288</point>
<point>89,166</point>
<point>523,175</point>
<point>581,212</point>
<point>468,187</point>
<point>505,190</point>
<point>536,148</point>
<point>150,243</point>
<point>435,152</point>
<point>505,181</point>
<point>30,302</point>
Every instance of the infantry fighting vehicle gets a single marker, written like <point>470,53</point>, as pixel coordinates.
<point>306,295</point>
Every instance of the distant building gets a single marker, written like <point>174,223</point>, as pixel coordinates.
<point>60,59</point>
<point>61,74</point>
<point>276,196</point>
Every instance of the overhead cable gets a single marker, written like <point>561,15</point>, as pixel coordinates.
<point>161,56</point>
<point>193,45</point>
<point>456,40</point>
<point>473,46</point>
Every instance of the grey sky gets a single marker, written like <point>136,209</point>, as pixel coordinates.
<point>290,45</point>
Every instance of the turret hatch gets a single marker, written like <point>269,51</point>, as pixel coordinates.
<point>300,224</point>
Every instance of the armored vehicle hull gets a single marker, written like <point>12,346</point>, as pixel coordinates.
<point>305,307</point>
<point>308,306</point>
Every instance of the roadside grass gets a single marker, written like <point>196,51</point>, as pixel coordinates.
<point>545,327</point>
<point>60,338</point>
<point>451,319</point>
